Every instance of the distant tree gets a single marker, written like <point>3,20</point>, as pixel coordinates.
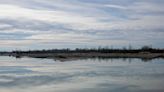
<point>146,47</point>
<point>130,46</point>
<point>124,48</point>
<point>111,47</point>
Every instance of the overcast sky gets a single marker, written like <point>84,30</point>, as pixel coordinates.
<point>38,24</point>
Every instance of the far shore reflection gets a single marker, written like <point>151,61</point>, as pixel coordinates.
<point>96,58</point>
<point>81,75</point>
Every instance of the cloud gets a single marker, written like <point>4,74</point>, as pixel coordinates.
<point>115,6</point>
<point>32,22</point>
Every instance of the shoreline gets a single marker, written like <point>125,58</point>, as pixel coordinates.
<point>69,56</point>
<point>66,54</point>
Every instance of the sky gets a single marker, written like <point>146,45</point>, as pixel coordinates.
<point>47,24</point>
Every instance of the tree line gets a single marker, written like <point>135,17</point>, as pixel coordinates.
<point>145,49</point>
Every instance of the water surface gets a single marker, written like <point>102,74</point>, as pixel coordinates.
<point>86,75</point>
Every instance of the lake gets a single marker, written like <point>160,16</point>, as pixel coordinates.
<point>85,75</point>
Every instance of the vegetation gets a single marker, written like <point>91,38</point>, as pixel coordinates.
<point>144,49</point>
<point>146,53</point>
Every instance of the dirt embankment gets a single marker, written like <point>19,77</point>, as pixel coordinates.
<point>91,55</point>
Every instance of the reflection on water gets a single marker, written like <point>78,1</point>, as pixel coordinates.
<point>86,75</point>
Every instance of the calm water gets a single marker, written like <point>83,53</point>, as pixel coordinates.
<point>90,75</point>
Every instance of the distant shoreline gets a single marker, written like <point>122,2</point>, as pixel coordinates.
<point>66,54</point>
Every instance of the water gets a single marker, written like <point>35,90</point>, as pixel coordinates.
<point>87,75</point>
